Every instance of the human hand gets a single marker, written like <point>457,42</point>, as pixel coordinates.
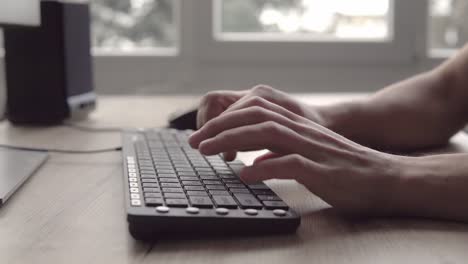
<point>348,176</point>
<point>215,103</point>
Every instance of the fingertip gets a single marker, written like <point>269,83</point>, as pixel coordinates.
<point>229,156</point>
<point>205,148</point>
<point>193,140</point>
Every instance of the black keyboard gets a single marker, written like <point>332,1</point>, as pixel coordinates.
<point>172,190</point>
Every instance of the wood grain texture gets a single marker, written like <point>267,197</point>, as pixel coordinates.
<point>71,210</point>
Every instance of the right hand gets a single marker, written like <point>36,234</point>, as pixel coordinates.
<point>348,176</point>
<point>216,103</point>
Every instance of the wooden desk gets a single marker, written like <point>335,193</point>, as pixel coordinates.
<point>72,210</point>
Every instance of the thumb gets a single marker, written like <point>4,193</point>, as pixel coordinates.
<point>266,156</point>
<point>292,167</point>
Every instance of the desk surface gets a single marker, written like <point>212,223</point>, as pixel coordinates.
<point>71,210</point>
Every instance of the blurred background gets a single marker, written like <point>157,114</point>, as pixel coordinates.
<point>177,46</point>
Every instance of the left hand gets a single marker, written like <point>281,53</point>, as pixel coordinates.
<point>347,175</point>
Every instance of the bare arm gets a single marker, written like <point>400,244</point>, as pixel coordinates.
<point>423,111</point>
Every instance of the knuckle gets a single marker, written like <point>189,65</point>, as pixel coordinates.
<point>262,89</point>
<point>223,136</point>
<point>210,125</point>
<point>273,128</point>
<point>258,111</point>
<point>256,101</point>
<point>211,97</point>
<point>297,161</point>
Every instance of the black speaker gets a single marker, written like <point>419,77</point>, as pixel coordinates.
<point>49,68</point>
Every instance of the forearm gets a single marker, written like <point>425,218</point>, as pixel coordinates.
<point>423,111</point>
<point>404,116</point>
<point>433,186</point>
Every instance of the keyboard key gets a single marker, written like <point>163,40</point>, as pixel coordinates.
<point>186,173</point>
<point>153,190</point>
<point>204,177</point>
<point>232,181</point>
<point>188,169</point>
<point>275,205</point>
<point>148,176</point>
<point>235,185</point>
<point>169,180</point>
<point>216,187</point>
<point>173,190</point>
<point>216,192</point>
<point>268,198</point>
<point>148,172</point>
<point>136,202</point>
<point>210,182</point>
<point>248,201</point>
<point>239,190</point>
<point>224,172</point>
<point>165,175</point>
<point>185,178</point>
<point>260,186</point>
<point>201,202</point>
<point>151,185</point>
<point>191,183</point>
<point>228,176</point>
<point>196,193</point>
<point>206,173</point>
<point>149,168</point>
<point>175,195</point>
<point>177,202</point>
<point>166,171</point>
<point>194,188</point>
<point>163,167</point>
<point>153,195</point>
<point>203,170</point>
<point>149,180</point>
<point>170,184</point>
<point>263,192</point>
<point>220,167</point>
<point>225,201</point>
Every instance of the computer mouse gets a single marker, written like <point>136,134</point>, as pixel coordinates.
<point>184,120</point>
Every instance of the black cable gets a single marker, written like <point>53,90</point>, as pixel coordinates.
<point>65,151</point>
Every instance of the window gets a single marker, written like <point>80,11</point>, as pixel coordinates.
<point>132,26</point>
<point>309,19</point>
<point>343,45</point>
<point>448,25</point>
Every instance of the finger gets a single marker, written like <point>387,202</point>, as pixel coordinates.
<point>255,115</point>
<point>267,156</point>
<point>243,117</point>
<point>214,103</point>
<point>229,156</point>
<point>267,135</point>
<point>255,101</point>
<point>295,167</point>
<point>249,101</point>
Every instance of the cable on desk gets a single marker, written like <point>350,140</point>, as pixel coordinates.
<point>64,151</point>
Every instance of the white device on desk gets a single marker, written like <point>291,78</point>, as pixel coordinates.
<point>16,166</point>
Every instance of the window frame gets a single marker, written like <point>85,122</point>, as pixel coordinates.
<point>397,50</point>
<point>203,63</point>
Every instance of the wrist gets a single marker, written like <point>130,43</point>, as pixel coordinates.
<point>340,117</point>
